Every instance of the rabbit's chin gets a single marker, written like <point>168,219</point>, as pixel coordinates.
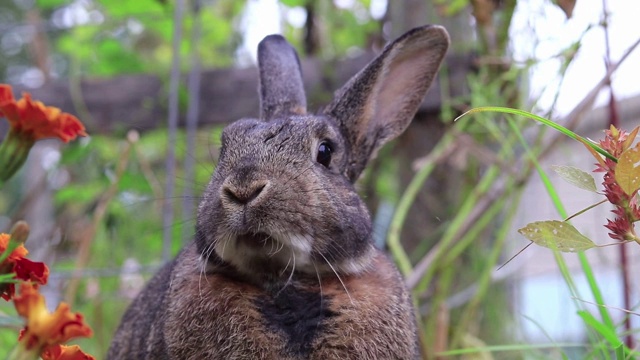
<point>283,256</point>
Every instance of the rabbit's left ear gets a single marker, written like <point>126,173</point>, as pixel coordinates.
<point>281,88</point>
<point>379,102</point>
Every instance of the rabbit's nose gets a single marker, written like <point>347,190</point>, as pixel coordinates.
<point>243,194</point>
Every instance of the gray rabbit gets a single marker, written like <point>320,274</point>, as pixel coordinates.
<point>283,264</point>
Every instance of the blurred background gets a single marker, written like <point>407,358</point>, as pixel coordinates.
<point>155,81</point>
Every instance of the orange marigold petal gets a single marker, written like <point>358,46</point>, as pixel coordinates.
<point>44,328</point>
<point>7,102</point>
<point>70,127</point>
<point>4,242</point>
<point>6,94</point>
<point>68,325</point>
<point>63,352</point>
<point>18,253</point>
<point>29,301</point>
<point>35,120</point>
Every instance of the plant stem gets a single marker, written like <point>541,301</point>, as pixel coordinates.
<point>408,197</point>
<point>20,353</point>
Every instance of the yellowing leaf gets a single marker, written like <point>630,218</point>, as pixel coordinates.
<point>576,177</point>
<point>632,136</point>
<point>594,153</point>
<point>556,235</point>
<point>628,170</point>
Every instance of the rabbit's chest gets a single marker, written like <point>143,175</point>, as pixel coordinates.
<point>238,321</point>
<point>299,316</point>
<point>215,317</point>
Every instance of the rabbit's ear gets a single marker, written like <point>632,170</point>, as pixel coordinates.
<point>379,102</point>
<point>281,88</point>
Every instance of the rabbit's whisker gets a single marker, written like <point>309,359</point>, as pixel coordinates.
<point>203,268</point>
<point>279,246</point>
<point>286,267</point>
<point>293,269</point>
<point>319,284</point>
<point>339,278</point>
<point>224,245</point>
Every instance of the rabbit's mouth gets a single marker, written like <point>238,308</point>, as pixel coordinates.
<point>254,240</point>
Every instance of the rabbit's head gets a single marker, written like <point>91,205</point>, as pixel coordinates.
<point>282,198</point>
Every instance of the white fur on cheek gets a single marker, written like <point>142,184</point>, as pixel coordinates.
<point>301,247</point>
<point>294,248</point>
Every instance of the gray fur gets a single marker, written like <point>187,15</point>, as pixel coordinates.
<point>379,102</point>
<point>281,88</point>
<point>283,265</point>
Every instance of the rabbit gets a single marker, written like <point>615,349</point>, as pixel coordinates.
<point>283,264</point>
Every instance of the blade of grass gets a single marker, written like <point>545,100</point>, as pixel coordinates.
<point>542,120</point>
<point>607,333</point>
<point>620,352</point>
<point>511,347</point>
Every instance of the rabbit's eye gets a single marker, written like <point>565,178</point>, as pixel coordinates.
<point>324,154</point>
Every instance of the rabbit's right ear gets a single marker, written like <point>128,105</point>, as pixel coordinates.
<point>379,102</point>
<point>281,87</point>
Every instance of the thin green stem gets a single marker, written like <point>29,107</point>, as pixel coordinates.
<point>474,232</point>
<point>407,199</point>
<point>462,214</point>
<point>492,260</point>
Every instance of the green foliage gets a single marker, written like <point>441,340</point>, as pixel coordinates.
<point>343,29</point>
<point>135,34</point>
<point>576,177</point>
<point>124,8</point>
<point>50,4</point>
<point>556,235</point>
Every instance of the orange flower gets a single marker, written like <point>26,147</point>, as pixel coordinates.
<point>23,268</point>
<point>35,121</point>
<point>43,328</point>
<point>62,352</point>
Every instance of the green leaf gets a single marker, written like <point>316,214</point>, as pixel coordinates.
<point>628,170</point>
<point>556,235</point>
<point>604,331</point>
<point>576,177</point>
